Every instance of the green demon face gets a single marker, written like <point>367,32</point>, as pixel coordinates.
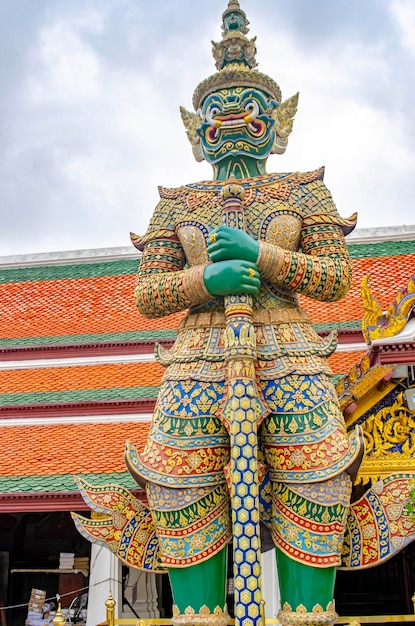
<point>234,22</point>
<point>237,122</point>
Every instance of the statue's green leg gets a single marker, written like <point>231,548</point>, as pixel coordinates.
<point>304,584</point>
<point>201,584</point>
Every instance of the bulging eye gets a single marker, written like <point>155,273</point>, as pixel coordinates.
<point>211,112</point>
<point>252,107</point>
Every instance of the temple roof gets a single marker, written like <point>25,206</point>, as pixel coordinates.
<point>42,460</point>
<point>53,305</point>
<point>77,375</point>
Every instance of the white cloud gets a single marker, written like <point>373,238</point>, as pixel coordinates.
<point>92,124</point>
<point>404,13</point>
<point>65,68</point>
<point>363,144</point>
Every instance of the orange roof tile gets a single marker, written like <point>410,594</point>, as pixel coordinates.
<point>104,376</point>
<point>341,362</point>
<point>68,449</point>
<point>74,306</point>
<point>110,376</point>
<point>105,304</point>
<point>388,274</point>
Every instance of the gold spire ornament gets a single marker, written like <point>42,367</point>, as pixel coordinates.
<point>235,60</point>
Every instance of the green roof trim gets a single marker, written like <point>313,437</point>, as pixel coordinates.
<point>382,248</point>
<point>141,335</point>
<point>129,266</point>
<point>65,272</point>
<point>61,482</point>
<point>78,395</point>
<point>350,325</point>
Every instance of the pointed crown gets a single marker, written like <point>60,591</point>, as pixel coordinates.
<point>235,59</point>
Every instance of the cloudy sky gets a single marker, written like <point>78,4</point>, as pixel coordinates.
<point>89,108</point>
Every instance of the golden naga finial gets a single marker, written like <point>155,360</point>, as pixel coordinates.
<point>373,310</point>
<point>377,324</point>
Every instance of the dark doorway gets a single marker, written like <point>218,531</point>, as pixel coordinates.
<point>383,590</point>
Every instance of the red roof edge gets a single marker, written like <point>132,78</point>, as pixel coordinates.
<point>397,353</point>
<point>39,502</point>
<point>87,349</point>
<point>105,407</point>
<point>145,346</point>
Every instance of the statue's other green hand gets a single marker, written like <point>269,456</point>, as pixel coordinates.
<point>231,243</point>
<point>232,277</point>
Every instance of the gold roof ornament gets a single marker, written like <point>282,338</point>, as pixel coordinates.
<point>235,59</point>
<point>378,325</point>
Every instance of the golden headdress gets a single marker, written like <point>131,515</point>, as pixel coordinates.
<point>235,59</point>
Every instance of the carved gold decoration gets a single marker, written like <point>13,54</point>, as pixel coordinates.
<point>219,617</point>
<point>379,325</point>
<point>362,379</point>
<point>390,442</point>
<point>301,617</point>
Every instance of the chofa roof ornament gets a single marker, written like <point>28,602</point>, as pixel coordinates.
<point>235,59</point>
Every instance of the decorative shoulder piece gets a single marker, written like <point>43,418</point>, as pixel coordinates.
<point>162,233</point>
<point>162,223</point>
<point>124,525</point>
<point>303,178</point>
<point>317,202</point>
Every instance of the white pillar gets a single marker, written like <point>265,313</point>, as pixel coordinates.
<point>104,576</point>
<point>269,579</point>
<point>141,593</point>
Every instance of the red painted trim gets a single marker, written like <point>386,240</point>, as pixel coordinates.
<point>47,501</point>
<point>78,350</point>
<point>397,354</point>
<point>346,336</point>
<point>350,336</point>
<point>120,348</point>
<point>106,407</point>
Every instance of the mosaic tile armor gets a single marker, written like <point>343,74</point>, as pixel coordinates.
<point>305,450</point>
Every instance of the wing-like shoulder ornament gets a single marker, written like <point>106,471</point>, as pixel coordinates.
<point>122,523</point>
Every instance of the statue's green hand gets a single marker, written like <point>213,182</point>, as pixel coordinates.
<point>232,277</point>
<point>231,243</point>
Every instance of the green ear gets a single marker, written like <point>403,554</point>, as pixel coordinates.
<point>284,119</point>
<point>192,123</point>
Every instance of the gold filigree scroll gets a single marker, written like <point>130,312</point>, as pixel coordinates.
<point>377,324</point>
<point>389,440</point>
<point>391,430</point>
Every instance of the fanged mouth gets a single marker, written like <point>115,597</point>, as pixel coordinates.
<point>230,122</point>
